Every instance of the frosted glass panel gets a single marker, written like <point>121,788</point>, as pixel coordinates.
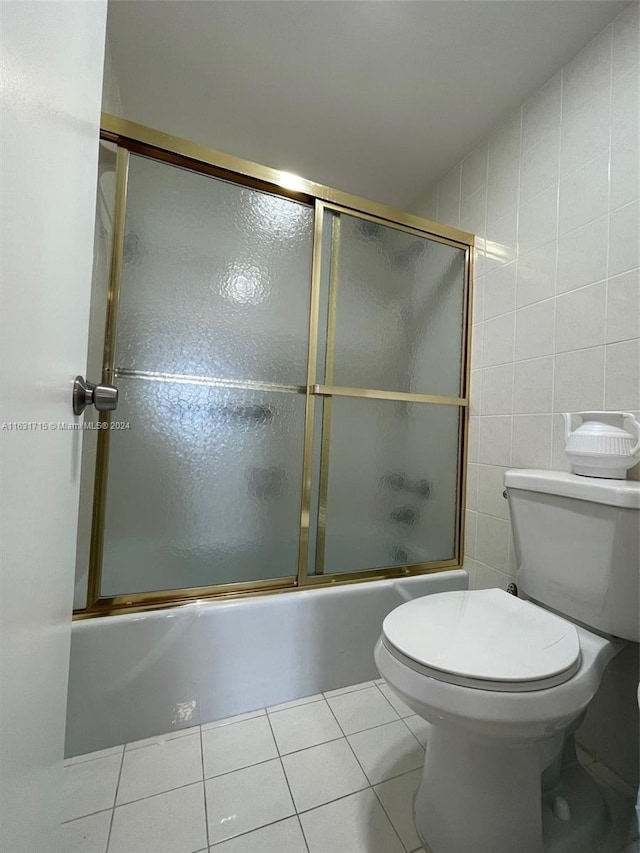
<point>393,470</point>
<point>215,278</point>
<point>398,310</point>
<point>203,488</point>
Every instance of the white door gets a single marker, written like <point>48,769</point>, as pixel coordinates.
<point>50,90</point>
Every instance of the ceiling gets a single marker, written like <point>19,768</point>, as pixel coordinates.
<point>376,97</point>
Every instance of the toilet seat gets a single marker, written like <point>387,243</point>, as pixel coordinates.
<point>485,639</point>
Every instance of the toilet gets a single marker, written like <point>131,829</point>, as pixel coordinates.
<point>505,680</point>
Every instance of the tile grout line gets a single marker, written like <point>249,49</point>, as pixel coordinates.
<point>608,259</point>
<point>284,772</point>
<point>351,747</point>
<point>168,791</point>
<point>336,799</point>
<point>204,791</point>
<point>375,794</point>
<point>396,777</point>
<point>349,744</point>
<point>80,759</point>
<point>256,829</point>
<point>158,740</point>
<point>115,799</point>
<point>278,710</point>
<point>304,837</point>
<point>555,283</point>
<point>82,817</point>
<point>293,802</point>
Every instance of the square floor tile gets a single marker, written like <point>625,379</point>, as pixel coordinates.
<point>401,708</point>
<point>87,834</point>
<point>323,773</point>
<point>160,767</point>
<point>387,751</point>
<point>396,797</point>
<point>283,837</point>
<point>303,726</point>
<point>173,822</point>
<point>355,824</point>
<point>90,786</point>
<point>232,747</point>
<point>419,727</point>
<point>305,700</point>
<point>238,718</point>
<point>362,709</point>
<point>351,688</point>
<point>247,799</point>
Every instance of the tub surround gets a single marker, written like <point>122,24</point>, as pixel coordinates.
<point>143,674</point>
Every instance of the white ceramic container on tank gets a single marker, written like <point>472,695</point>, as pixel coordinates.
<point>601,446</point>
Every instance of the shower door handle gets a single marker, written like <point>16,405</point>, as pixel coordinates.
<point>103,397</point>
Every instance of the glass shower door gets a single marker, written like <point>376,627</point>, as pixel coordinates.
<point>209,351</point>
<point>392,387</point>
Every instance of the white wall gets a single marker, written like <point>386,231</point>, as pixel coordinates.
<point>51,71</point>
<point>553,197</point>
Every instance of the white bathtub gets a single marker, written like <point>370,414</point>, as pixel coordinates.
<point>144,674</point>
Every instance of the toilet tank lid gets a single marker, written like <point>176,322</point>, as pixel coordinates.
<point>622,493</point>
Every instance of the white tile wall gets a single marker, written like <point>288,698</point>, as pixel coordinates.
<point>553,196</point>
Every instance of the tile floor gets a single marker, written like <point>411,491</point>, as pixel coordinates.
<point>332,773</point>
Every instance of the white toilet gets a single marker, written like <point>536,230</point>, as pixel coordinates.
<point>505,682</point>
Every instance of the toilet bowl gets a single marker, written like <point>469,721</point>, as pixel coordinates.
<point>500,719</point>
<point>505,682</point>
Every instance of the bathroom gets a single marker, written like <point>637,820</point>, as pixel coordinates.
<point>528,179</point>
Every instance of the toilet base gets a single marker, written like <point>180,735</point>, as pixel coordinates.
<point>480,797</point>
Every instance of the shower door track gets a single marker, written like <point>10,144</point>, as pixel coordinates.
<point>138,139</point>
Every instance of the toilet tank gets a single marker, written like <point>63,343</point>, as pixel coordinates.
<point>577,546</point>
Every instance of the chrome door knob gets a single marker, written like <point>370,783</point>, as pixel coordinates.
<point>103,397</point>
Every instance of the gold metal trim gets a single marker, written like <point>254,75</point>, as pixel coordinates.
<point>212,381</point>
<point>314,314</point>
<point>102,450</point>
<point>386,572</point>
<point>465,414</point>
<point>128,133</point>
<point>400,225</point>
<point>142,602</point>
<point>185,595</point>
<point>325,440</point>
<point>375,394</point>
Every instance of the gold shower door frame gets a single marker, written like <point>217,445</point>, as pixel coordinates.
<point>134,138</point>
